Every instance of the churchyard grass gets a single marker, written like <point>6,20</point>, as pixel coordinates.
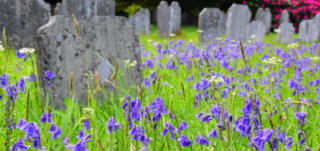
<point>258,94</point>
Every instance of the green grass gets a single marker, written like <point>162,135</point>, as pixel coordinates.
<point>179,99</point>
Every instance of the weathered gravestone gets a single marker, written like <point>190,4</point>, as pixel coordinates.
<point>141,21</point>
<point>168,18</point>
<point>266,17</point>
<point>308,30</point>
<point>238,18</point>
<point>256,29</point>
<point>86,8</point>
<point>211,24</point>
<point>59,49</point>
<point>285,34</point>
<point>284,18</point>
<point>175,18</point>
<point>22,19</point>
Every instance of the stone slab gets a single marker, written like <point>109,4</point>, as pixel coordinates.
<point>22,19</point>
<point>86,8</point>
<point>265,16</point>
<point>211,25</point>
<point>238,18</point>
<point>141,21</point>
<point>168,18</point>
<point>308,30</point>
<point>284,18</point>
<point>286,32</point>
<point>256,29</point>
<point>59,49</point>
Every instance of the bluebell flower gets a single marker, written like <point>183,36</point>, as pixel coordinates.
<point>171,129</point>
<point>19,146</point>
<point>56,133</point>
<point>170,65</point>
<point>112,125</point>
<point>206,118</point>
<point>65,141</point>
<point>202,141</point>
<point>53,128</point>
<point>138,134</point>
<point>301,117</point>
<point>150,64</point>
<point>184,141</point>
<point>48,75</point>
<point>213,134</point>
<point>147,82</point>
<point>86,124</point>
<point>199,115</point>
<point>183,125</point>
<point>21,124</point>
<point>46,117</point>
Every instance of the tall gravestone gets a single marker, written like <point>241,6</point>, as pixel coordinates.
<point>86,8</point>
<point>256,29</point>
<point>284,18</point>
<point>211,25</point>
<point>285,34</point>
<point>316,22</point>
<point>141,21</point>
<point>168,18</point>
<point>104,39</point>
<point>175,18</point>
<point>238,18</point>
<point>308,30</point>
<point>265,16</point>
<point>22,18</point>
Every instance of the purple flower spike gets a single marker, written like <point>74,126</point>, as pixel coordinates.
<point>202,141</point>
<point>19,146</point>
<point>184,141</point>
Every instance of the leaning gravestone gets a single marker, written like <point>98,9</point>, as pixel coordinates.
<point>284,18</point>
<point>59,50</point>
<point>256,29</point>
<point>86,8</point>
<point>141,21</point>
<point>175,18</point>
<point>168,18</point>
<point>265,16</point>
<point>22,19</point>
<point>211,25</point>
<point>285,34</point>
<point>238,18</point>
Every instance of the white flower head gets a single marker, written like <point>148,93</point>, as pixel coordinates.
<point>172,35</point>
<point>215,79</point>
<point>27,50</point>
<point>253,37</point>
<point>149,40</point>
<point>293,46</point>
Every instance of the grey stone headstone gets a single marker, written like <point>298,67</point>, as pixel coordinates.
<point>284,18</point>
<point>308,30</point>
<point>141,21</point>
<point>22,19</point>
<point>175,18</point>
<point>168,18</point>
<point>86,8</point>
<point>184,18</point>
<point>286,32</point>
<point>265,16</point>
<point>238,18</point>
<point>256,29</point>
<point>316,22</point>
<point>58,49</point>
<point>163,19</point>
<point>211,25</point>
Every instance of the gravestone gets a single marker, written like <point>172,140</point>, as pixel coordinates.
<point>22,18</point>
<point>316,22</point>
<point>284,18</point>
<point>211,25</point>
<point>256,29</point>
<point>163,19</point>
<point>141,21</point>
<point>265,16</point>
<point>286,32</point>
<point>308,30</point>
<point>184,18</point>
<point>168,18</point>
<point>238,18</point>
<point>59,50</point>
<point>86,8</point>
<point>175,18</point>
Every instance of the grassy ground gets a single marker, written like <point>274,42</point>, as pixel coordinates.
<point>180,99</point>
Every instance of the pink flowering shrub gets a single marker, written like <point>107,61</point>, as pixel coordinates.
<point>298,9</point>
